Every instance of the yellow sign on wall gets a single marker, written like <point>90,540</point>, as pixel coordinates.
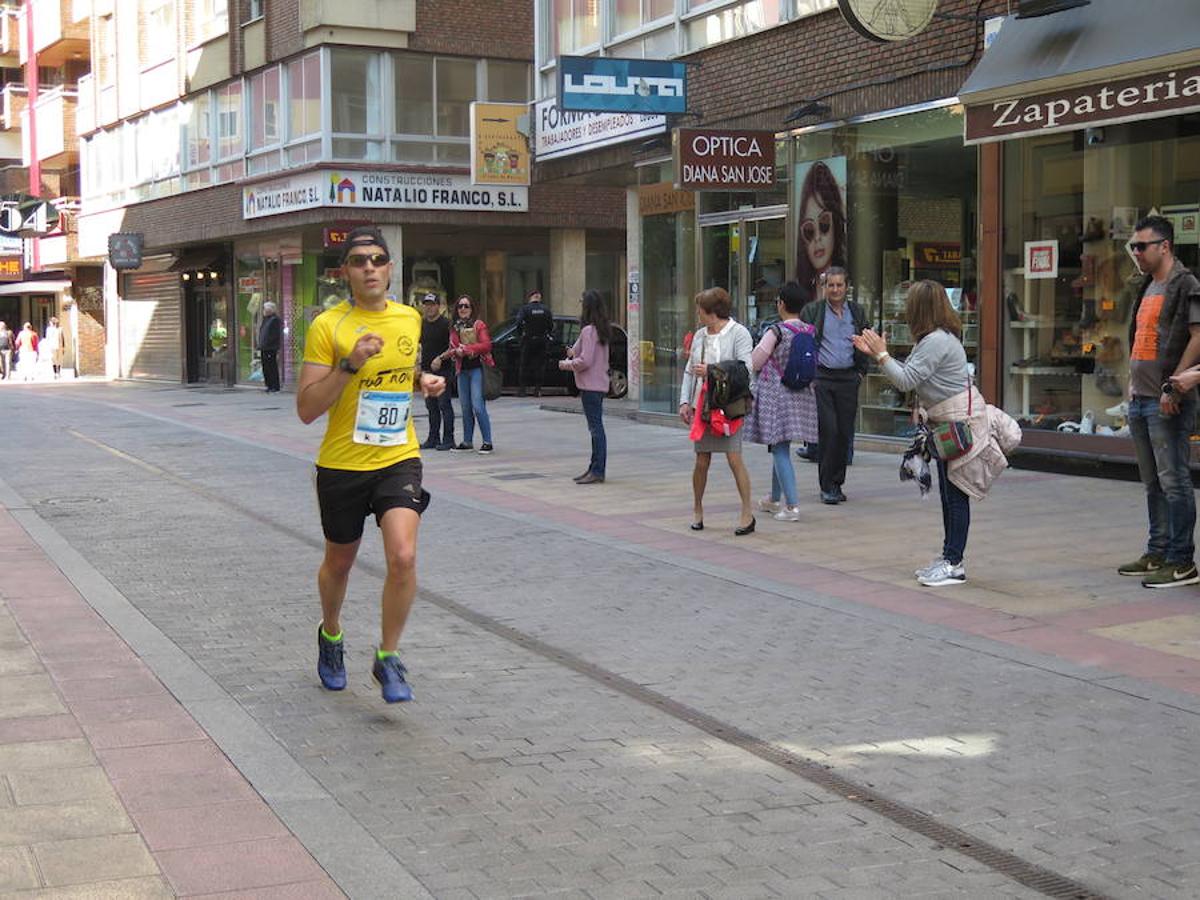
<point>500,143</point>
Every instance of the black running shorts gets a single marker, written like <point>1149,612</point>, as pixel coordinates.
<point>347,498</point>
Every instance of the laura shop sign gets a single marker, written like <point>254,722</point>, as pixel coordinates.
<point>708,159</point>
<point>1103,103</point>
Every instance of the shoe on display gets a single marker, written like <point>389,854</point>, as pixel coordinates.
<point>390,672</point>
<point>1088,424</point>
<point>1121,409</point>
<point>462,448</point>
<point>1123,431</point>
<point>1171,575</point>
<point>766,504</point>
<point>1145,564</point>
<point>925,570</point>
<point>788,514</point>
<point>944,573</point>
<point>486,448</point>
<point>1105,430</point>
<point>330,663</point>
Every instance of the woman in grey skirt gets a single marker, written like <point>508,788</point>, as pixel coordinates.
<point>719,339</point>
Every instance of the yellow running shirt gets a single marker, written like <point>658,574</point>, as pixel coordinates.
<point>365,430</point>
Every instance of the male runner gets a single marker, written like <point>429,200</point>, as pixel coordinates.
<point>360,365</point>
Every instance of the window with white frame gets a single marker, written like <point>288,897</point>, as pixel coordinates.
<point>630,15</point>
<point>106,50</point>
<point>158,18</point>
<point>212,18</point>
<point>265,127</point>
<point>254,10</point>
<point>574,25</point>
<point>196,120</point>
<point>231,142</point>
<point>507,81</point>
<point>356,109</point>
<point>304,109</point>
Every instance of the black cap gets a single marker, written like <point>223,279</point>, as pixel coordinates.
<point>364,236</point>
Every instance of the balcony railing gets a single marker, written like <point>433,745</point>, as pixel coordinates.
<point>13,101</point>
<point>56,137</point>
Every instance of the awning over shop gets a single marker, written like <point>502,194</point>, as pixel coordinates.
<point>201,259</point>
<point>1110,61</point>
<point>34,287</point>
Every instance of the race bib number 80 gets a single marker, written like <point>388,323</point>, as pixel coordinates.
<point>382,418</point>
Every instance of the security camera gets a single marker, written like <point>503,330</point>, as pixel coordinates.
<point>1093,136</point>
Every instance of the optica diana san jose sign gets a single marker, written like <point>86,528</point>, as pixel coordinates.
<point>379,190</point>
<point>713,159</point>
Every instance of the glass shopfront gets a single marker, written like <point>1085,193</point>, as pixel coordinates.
<point>1070,204</point>
<point>892,200</point>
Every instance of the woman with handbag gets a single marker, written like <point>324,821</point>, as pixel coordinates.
<point>588,359</point>
<point>471,350</point>
<point>719,339</point>
<point>937,370</point>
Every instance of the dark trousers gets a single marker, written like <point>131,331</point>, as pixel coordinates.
<point>593,410</point>
<point>956,517</point>
<point>441,417</point>
<point>837,408</point>
<point>533,364</point>
<point>270,367</point>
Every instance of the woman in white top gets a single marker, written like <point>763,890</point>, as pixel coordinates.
<point>52,346</point>
<point>719,339</point>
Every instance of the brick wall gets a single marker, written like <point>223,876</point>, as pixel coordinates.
<point>283,28</point>
<point>467,28</point>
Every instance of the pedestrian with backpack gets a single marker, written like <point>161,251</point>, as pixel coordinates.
<point>719,340</point>
<point>785,403</point>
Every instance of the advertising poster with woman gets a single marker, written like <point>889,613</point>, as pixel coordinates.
<point>820,215</point>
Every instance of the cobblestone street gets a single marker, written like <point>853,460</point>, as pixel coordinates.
<point>606,703</point>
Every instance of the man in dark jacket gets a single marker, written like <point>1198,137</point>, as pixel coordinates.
<point>840,368</point>
<point>535,324</point>
<point>435,344</point>
<point>1164,340</point>
<point>270,339</point>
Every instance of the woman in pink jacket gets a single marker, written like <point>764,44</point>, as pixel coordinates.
<point>588,359</point>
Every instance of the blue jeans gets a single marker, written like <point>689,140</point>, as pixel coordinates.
<point>783,476</point>
<point>956,517</point>
<point>1163,451</point>
<point>470,397</point>
<point>593,406</point>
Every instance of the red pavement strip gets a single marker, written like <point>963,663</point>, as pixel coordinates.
<point>1064,637</point>
<point>205,825</point>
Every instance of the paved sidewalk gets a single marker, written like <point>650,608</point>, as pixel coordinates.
<point>606,701</point>
<point>108,788</point>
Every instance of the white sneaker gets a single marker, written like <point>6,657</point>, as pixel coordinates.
<point>1121,409</point>
<point>788,514</point>
<point>925,570</point>
<point>944,574</point>
<point>766,504</point>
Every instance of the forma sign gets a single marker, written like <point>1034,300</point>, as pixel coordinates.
<point>708,159</point>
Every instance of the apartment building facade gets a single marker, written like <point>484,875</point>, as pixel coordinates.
<point>242,138</point>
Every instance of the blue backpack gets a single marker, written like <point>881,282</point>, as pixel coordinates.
<point>801,366</point>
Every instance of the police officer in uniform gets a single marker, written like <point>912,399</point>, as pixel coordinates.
<point>535,324</point>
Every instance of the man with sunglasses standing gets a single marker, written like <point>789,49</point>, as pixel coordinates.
<point>840,369</point>
<point>1164,340</point>
<point>361,367</point>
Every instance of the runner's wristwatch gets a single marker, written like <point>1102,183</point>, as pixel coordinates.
<point>344,365</point>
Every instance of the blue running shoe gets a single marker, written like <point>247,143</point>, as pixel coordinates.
<point>329,662</point>
<point>389,672</point>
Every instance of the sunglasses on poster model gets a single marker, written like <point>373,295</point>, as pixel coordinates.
<point>808,228</point>
<point>1140,246</point>
<point>360,260</point>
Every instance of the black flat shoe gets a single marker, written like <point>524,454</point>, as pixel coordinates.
<point>746,529</point>
<point>697,526</point>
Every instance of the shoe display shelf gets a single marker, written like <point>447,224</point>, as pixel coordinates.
<point>1029,365</point>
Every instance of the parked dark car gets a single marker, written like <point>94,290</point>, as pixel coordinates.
<point>506,348</point>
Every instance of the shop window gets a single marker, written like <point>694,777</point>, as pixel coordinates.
<point>507,81</point>
<point>1069,281</point>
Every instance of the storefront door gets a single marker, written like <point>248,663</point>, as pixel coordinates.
<point>746,256</point>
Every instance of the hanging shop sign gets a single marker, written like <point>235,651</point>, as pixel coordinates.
<point>709,159</point>
<point>379,190</point>
<point>499,143</point>
<point>12,267</point>
<point>125,250</point>
<point>605,84</point>
<point>21,214</point>
<point>1102,103</point>
<point>561,133</point>
<point>894,20</point>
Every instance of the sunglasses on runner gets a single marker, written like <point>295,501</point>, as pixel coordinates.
<point>1140,246</point>
<point>808,228</point>
<point>360,260</point>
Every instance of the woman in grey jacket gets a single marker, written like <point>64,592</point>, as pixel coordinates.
<point>937,370</point>
<point>719,339</point>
